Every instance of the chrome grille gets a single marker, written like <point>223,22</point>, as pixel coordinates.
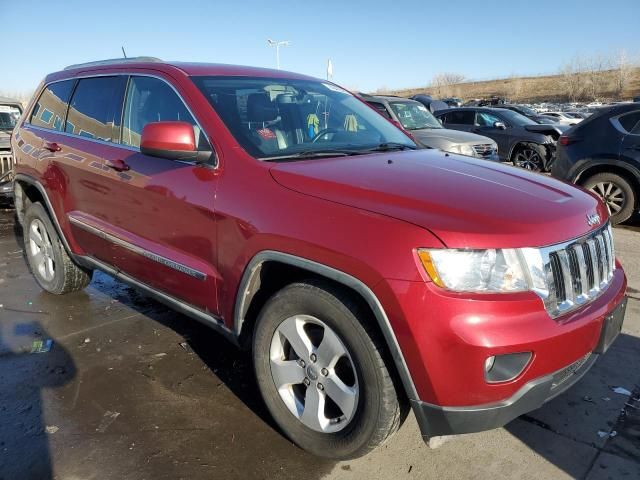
<point>483,149</point>
<point>6,166</point>
<point>577,271</point>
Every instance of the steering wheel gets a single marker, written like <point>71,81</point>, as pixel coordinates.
<point>323,132</point>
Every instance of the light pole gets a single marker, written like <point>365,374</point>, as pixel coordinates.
<point>273,43</point>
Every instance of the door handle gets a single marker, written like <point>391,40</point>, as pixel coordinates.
<point>52,146</point>
<point>118,165</point>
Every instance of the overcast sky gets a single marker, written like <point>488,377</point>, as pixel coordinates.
<point>372,43</point>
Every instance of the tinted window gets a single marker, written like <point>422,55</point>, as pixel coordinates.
<point>380,108</point>
<point>631,122</point>
<point>460,117</point>
<point>96,107</point>
<point>484,119</point>
<point>51,107</point>
<point>151,100</point>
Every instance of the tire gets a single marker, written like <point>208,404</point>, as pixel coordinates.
<point>530,156</point>
<point>325,313</point>
<point>616,192</point>
<point>56,272</point>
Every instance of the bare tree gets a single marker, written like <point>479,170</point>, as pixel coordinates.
<point>622,72</point>
<point>442,82</point>
<point>571,78</point>
<point>596,76</point>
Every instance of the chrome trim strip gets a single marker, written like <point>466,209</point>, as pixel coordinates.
<point>88,139</point>
<point>205,317</point>
<point>139,250</point>
<point>252,271</point>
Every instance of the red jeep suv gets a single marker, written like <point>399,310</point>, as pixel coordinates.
<point>365,274</point>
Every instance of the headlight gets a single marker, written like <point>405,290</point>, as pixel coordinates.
<point>476,270</point>
<point>463,150</point>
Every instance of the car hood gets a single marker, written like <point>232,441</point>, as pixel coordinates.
<point>451,136</point>
<point>467,203</point>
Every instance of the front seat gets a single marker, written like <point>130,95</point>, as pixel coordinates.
<point>264,123</point>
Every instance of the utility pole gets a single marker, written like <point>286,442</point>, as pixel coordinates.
<point>277,45</point>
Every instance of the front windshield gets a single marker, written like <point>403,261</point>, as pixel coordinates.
<point>279,118</point>
<point>7,121</point>
<point>515,118</point>
<point>414,115</point>
<point>527,110</point>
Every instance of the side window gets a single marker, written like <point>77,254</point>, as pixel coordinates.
<point>380,109</point>
<point>152,100</point>
<point>631,122</point>
<point>464,117</point>
<point>96,108</point>
<point>484,119</point>
<point>51,107</point>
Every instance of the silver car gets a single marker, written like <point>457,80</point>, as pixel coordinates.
<point>420,122</point>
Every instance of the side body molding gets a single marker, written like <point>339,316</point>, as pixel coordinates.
<point>250,280</point>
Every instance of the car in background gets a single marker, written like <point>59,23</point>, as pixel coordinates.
<point>453,101</point>
<point>563,118</point>
<point>10,111</point>
<point>602,154</point>
<point>578,115</point>
<point>432,104</point>
<point>527,112</point>
<point>520,140</point>
<point>414,117</point>
<point>636,99</point>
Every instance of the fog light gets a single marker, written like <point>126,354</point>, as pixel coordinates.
<point>503,368</point>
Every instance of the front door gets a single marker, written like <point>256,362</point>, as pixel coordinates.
<point>160,212</point>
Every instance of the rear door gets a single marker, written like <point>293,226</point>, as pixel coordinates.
<point>459,120</point>
<point>630,146</point>
<point>159,213</point>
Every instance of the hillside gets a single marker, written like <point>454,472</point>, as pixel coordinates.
<point>551,88</point>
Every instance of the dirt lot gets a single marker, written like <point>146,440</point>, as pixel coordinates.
<point>127,389</point>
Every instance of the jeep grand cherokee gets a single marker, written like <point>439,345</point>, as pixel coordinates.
<point>364,274</point>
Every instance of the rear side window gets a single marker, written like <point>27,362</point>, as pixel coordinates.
<point>631,122</point>
<point>464,117</point>
<point>96,108</point>
<point>151,100</point>
<point>51,107</point>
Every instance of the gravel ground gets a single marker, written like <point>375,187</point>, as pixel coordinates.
<point>127,389</point>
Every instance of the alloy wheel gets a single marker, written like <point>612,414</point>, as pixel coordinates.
<point>41,250</point>
<point>611,194</point>
<point>528,159</point>
<point>314,374</point>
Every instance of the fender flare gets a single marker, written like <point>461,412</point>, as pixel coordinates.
<point>247,289</point>
<point>21,177</point>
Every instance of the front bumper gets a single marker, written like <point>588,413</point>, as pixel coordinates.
<point>435,420</point>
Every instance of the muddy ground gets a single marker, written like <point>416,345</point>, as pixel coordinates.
<point>119,387</point>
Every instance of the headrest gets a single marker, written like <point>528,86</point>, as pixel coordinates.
<point>260,108</point>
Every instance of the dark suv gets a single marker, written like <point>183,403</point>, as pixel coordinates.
<point>602,153</point>
<point>364,275</point>
<point>520,140</point>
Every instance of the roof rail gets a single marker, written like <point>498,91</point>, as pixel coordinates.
<point>114,61</point>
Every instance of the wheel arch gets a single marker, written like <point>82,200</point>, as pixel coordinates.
<point>254,291</point>
<point>28,190</point>
<point>609,166</point>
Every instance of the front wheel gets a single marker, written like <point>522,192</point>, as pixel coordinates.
<point>616,192</point>
<point>321,372</point>
<point>530,156</point>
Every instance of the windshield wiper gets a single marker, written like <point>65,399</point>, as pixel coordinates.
<point>315,154</point>
<point>389,146</point>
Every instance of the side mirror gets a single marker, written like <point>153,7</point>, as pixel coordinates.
<point>171,140</point>
<point>499,125</point>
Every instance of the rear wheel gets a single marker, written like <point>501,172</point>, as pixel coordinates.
<point>321,372</point>
<point>529,156</point>
<point>616,192</point>
<point>49,262</point>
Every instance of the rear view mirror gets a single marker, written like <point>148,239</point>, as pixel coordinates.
<point>171,140</point>
<point>499,125</point>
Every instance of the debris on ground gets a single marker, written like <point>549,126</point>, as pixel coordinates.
<point>51,429</point>
<point>87,340</point>
<point>602,434</point>
<point>159,355</point>
<point>587,398</point>
<point>606,399</point>
<point>107,419</point>
<point>621,391</point>
<point>186,347</point>
<point>41,346</point>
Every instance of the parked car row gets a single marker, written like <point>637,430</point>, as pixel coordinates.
<point>366,275</point>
